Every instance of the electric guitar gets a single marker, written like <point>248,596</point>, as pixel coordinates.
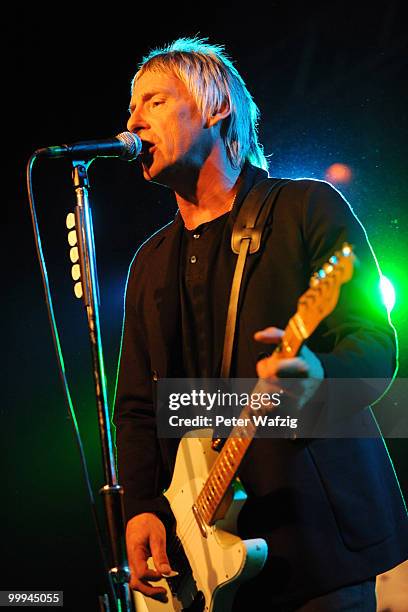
<point>206,497</point>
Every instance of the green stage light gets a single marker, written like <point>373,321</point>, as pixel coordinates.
<point>387,292</point>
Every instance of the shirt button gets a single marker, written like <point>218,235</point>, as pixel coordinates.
<point>193,259</point>
<point>195,236</point>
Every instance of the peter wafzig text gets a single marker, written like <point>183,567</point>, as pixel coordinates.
<point>219,420</point>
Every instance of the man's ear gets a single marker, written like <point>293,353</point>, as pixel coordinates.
<point>221,113</point>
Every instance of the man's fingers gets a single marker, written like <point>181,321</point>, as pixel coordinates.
<point>269,335</point>
<point>138,561</point>
<point>158,549</point>
<point>145,588</point>
<point>151,575</point>
<point>140,575</point>
<point>145,538</point>
<point>139,568</point>
<point>282,368</point>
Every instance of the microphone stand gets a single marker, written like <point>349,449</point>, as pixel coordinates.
<point>112,492</point>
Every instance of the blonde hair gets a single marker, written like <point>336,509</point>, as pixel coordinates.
<point>211,78</point>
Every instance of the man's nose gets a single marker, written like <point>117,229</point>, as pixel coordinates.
<point>136,122</point>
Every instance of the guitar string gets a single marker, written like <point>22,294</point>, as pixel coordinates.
<point>179,539</point>
<point>183,533</point>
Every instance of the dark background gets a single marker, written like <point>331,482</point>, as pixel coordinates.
<point>330,83</point>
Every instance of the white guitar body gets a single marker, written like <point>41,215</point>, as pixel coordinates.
<point>219,560</point>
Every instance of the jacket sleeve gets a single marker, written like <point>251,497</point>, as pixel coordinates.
<point>138,454</point>
<point>357,340</point>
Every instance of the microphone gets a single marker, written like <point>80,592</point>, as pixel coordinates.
<point>126,145</point>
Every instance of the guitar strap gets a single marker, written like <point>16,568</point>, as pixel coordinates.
<point>246,238</point>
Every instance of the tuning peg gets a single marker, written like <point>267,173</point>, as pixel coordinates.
<point>328,268</point>
<point>346,249</point>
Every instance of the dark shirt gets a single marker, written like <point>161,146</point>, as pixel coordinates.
<point>199,252</point>
<point>205,284</point>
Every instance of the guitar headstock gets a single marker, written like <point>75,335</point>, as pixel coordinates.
<point>322,296</point>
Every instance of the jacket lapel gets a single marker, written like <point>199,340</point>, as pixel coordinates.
<point>164,300</point>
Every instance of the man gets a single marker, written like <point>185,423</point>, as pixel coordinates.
<point>330,510</point>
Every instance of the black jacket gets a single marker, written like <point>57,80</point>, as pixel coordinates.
<point>330,509</point>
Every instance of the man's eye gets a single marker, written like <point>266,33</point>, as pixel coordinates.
<point>157,102</point>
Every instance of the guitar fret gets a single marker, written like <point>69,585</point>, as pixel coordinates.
<point>235,445</point>
<point>209,495</point>
<point>228,465</point>
<point>204,504</point>
<point>224,469</point>
<point>227,461</point>
<point>222,474</point>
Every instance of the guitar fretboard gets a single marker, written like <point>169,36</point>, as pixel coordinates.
<point>230,457</point>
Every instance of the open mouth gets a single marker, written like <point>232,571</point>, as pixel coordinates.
<point>147,152</point>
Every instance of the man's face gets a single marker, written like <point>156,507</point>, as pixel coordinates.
<point>166,118</point>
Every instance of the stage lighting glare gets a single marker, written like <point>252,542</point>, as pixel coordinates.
<point>338,173</point>
<point>387,292</point>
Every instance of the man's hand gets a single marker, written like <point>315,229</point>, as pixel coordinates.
<point>306,367</point>
<point>146,537</point>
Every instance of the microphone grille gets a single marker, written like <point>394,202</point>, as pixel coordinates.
<point>133,145</point>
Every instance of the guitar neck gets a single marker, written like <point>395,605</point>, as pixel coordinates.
<point>213,495</point>
<point>313,306</point>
